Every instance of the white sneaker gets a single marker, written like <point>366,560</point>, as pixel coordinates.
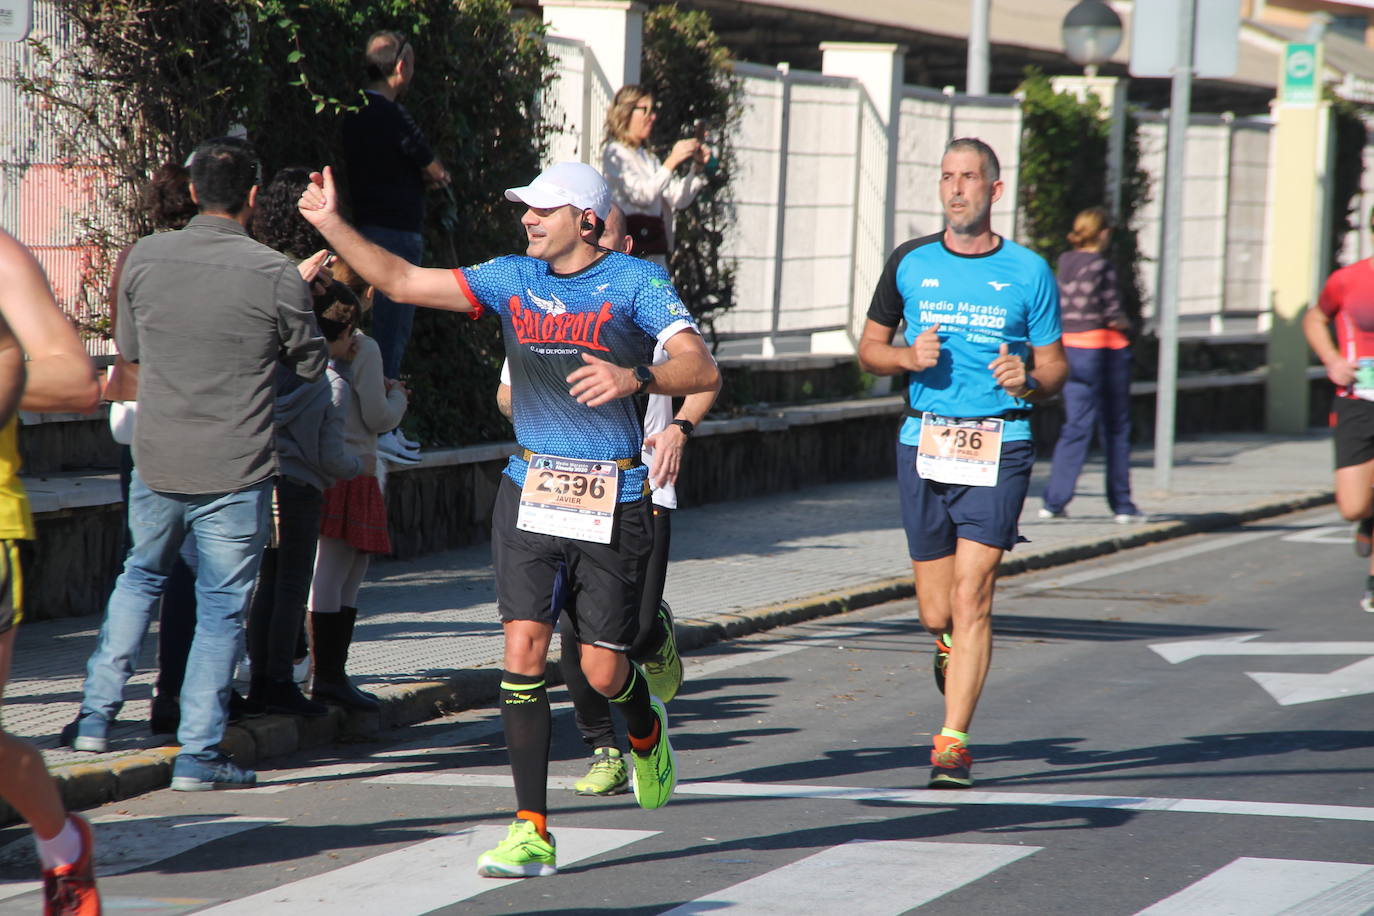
<point>392,450</point>
<point>410,444</point>
<point>1131,518</point>
<point>1047,514</point>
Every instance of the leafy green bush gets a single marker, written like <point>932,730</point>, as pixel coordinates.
<point>479,74</point>
<point>1348,138</point>
<point>156,77</point>
<point>687,70</point>
<point>1064,170</point>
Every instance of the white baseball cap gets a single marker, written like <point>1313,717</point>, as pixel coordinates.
<point>566,184</point>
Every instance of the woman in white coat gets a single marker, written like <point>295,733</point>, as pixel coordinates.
<point>649,191</point>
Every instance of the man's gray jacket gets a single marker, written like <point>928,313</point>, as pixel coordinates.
<point>207,313</point>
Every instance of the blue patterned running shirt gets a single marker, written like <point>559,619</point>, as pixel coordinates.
<point>615,309</point>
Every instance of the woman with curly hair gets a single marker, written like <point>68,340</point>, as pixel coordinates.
<point>277,223</point>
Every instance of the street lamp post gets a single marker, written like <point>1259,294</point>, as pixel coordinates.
<point>1091,33</point>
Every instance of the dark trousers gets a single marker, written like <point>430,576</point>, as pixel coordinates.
<point>284,578</point>
<point>1097,398</point>
<point>391,321</point>
<point>592,710</point>
<point>176,622</point>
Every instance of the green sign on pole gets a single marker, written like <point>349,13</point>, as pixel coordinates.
<point>16,17</point>
<point>1299,74</point>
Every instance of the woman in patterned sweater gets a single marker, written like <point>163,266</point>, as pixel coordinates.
<point>1097,395</point>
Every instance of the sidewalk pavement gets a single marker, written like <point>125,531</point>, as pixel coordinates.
<point>428,639</point>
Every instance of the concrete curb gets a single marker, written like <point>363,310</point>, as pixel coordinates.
<point>87,785</point>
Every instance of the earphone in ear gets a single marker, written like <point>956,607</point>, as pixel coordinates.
<point>587,225</point>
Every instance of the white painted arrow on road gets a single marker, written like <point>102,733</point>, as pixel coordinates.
<point>1292,689</point>
<point>1175,652</point>
<point>1287,689</point>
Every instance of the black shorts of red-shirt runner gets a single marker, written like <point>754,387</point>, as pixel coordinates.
<point>604,581</point>
<point>936,515</point>
<point>1354,435</point>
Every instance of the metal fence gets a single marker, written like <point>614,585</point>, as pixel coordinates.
<point>825,190</point>
<point>1223,273</point>
<point>576,103</point>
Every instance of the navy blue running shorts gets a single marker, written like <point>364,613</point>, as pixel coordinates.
<point>598,584</point>
<point>937,515</point>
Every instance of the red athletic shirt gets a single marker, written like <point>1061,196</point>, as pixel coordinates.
<point>1348,300</point>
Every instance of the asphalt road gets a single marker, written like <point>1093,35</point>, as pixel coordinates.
<point>1176,729</point>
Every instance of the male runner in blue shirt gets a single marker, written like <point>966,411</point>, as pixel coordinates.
<point>580,323</point>
<point>975,306</point>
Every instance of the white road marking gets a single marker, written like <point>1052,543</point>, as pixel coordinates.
<point>490,727</point>
<point>1292,689</point>
<point>1175,652</point>
<point>1286,689</point>
<point>862,876</point>
<point>1268,887</point>
<point>937,798</point>
<point>126,843</point>
<point>416,879</point>
<point>1330,534</point>
<point>1213,543</point>
<point>461,780</point>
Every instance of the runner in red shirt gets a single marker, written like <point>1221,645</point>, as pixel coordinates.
<point>1347,302</point>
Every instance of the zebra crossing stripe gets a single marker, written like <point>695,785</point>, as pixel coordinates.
<point>873,877</point>
<point>1268,887</point>
<point>416,879</point>
<point>935,797</point>
<point>127,843</point>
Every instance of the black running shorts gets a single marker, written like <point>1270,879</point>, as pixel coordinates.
<point>604,581</point>
<point>1354,435</point>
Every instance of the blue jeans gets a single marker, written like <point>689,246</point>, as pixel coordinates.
<point>391,321</point>
<point>1097,397</point>
<point>229,531</point>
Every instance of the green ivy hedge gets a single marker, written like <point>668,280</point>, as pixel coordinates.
<point>687,70</point>
<point>1064,170</point>
<point>156,77</point>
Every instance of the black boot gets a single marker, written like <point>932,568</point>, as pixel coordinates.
<point>166,715</point>
<point>331,636</point>
<point>286,698</point>
<point>256,703</point>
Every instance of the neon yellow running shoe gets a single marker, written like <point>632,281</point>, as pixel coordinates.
<point>655,772</point>
<point>522,854</point>
<point>663,669</point>
<point>608,776</point>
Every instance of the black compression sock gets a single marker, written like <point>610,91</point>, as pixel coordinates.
<point>528,724</point>
<point>633,700</point>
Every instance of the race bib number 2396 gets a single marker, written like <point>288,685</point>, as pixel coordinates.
<point>569,498</point>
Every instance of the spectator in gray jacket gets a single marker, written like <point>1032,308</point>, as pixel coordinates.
<point>207,313</point>
<point>313,453</point>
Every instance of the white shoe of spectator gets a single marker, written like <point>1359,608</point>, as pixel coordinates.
<point>392,450</point>
<point>1131,518</point>
<point>410,444</point>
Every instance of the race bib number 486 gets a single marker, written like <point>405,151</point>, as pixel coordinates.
<point>966,452</point>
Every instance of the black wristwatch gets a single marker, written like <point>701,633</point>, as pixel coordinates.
<point>685,425</point>
<point>644,377</point>
<point>1032,383</point>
